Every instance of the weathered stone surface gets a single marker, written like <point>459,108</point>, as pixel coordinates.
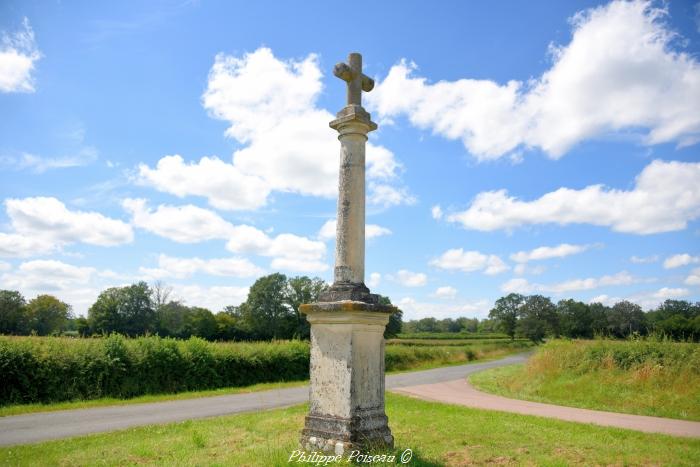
<point>347,323</point>
<point>347,376</point>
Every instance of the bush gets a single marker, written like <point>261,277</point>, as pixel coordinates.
<point>53,369</point>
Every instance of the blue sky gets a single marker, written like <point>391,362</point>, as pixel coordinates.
<point>535,147</point>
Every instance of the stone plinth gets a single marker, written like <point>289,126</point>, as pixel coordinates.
<point>347,377</point>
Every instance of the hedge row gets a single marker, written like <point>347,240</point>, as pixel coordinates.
<point>53,369</point>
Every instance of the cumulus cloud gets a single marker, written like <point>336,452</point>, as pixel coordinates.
<point>213,298</point>
<point>410,279</point>
<point>523,286</point>
<point>183,224</point>
<point>75,285</point>
<point>620,71</point>
<point>181,268</point>
<point>469,261</point>
<point>43,224</point>
<point>374,279</point>
<point>679,260</point>
<point>414,309</point>
<point>693,278</point>
<point>666,196</point>
<point>547,252</point>
<point>327,231</point>
<point>192,224</point>
<point>18,54</point>
<point>445,292</point>
<point>647,300</point>
<point>270,106</point>
<point>436,212</point>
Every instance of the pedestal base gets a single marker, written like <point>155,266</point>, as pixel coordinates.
<point>347,377</point>
<point>342,435</point>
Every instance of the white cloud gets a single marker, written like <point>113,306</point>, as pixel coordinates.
<point>213,298</point>
<point>414,309</point>
<point>547,252</point>
<point>693,278</point>
<point>191,224</point>
<point>666,196</point>
<point>183,224</point>
<point>270,106</point>
<point>620,71</point>
<point>445,292</point>
<point>469,261</point>
<point>436,212</point>
<point>181,268</point>
<point>5,266</point>
<point>384,195</point>
<point>76,285</point>
<point>327,231</point>
<point>374,279</point>
<point>523,286</point>
<point>410,279</point>
<point>18,54</point>
<point>644,259</point>
<point>43,224</point>
<point>39,164</point>
<point>223,184</point>
<point>677,261</point>
<point>522,268</point>
<point>647,300</point>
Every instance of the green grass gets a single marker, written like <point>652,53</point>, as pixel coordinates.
<point>659,379</point>
<point>452,359</point>
<point>438,434</point>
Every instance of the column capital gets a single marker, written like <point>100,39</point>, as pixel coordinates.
<point>351,116</point>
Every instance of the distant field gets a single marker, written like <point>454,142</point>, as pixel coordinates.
<point>438,434</point>
<point>640,377</point>
<point>454,342</point>
<point>452,335</point>
<point>44,370</point>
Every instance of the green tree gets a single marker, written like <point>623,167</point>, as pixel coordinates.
<point>576,319</point>
<point>265,314</point>
<point>200,322</point>
<point>506,313</point>
<point>126,310</point>
<point>13,317</point>
<point>170,319</point>
<point>537,318</point>
<point>393,327</point>
<point>300,290</point>
<point>47,314</point>
<point>625,318</point>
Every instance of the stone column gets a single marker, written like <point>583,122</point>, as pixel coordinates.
<point>352,124</point>
<point>347,323</point>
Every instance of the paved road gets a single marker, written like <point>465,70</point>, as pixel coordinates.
<point>460,392</point>
<point>32,428</point>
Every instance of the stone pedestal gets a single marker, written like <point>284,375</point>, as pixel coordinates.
<point>347,377</point>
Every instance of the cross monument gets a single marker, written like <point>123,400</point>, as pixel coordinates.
<point>347,323</point>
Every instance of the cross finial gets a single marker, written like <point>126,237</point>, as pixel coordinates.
<point>357,81</point>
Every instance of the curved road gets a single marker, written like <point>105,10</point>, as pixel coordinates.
<point>35,427</point>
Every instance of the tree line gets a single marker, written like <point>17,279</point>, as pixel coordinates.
<point>536,317</point>
<point>271,311</point>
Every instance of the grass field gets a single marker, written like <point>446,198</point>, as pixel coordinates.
<point>640,377</point>
<point>438,434</point>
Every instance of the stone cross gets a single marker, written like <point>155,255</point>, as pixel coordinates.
<point>357,81</point>
<point>346,393</point>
